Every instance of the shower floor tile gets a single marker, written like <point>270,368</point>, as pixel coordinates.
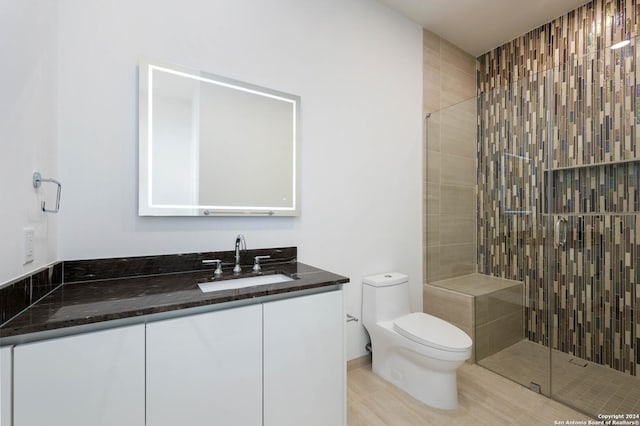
<point>592,388</point>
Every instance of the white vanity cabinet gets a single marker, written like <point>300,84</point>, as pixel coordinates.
<point>5,385</point>
<point>87,379</point>
<point>283,360</point>
<point>206,369</point>
<point>304,361</point>
<point>272,363</point>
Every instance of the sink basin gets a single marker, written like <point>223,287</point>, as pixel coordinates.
<point>243,282</point>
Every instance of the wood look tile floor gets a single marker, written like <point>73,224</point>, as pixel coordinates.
<point>485,398</point>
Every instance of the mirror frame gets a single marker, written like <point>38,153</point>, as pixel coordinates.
<point>145,141</point>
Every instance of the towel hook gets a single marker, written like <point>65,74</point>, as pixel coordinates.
<point>37,182</point>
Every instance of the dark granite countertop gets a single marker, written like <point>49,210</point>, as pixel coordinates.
<point>95,301</point>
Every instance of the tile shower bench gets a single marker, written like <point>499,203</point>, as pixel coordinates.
<point>489,309</point>
<point>135,341</point>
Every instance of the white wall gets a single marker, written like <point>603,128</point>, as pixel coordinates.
<point>27,131</point>
<point>358,69</point>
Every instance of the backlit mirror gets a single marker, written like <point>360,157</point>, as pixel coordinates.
<point>212,146</point>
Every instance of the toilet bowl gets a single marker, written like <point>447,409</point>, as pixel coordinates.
<point>417,352</point>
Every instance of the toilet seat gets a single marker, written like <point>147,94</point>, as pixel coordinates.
<point>431,331</point>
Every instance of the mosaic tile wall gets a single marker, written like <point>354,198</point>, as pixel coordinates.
<point>511,154</point>
<point>559,84</point>
<point>583,31</point>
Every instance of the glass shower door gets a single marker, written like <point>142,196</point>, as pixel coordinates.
<point>515,228</point>
<point>558,212</point>
<point>595,173</point>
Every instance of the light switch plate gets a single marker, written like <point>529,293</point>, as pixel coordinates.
<point>28,245</point>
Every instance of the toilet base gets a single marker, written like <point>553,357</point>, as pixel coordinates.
<point>436,389</point>
<point>431,381</point>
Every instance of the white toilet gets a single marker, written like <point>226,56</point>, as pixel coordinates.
<point>417,352</point>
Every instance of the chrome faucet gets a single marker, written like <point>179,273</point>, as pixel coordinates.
<point>239,242</point>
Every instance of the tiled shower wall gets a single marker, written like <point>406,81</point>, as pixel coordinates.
<point>450,177</point>
<point>559,84</point>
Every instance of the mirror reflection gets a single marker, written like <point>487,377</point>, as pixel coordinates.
<point>214,146</point>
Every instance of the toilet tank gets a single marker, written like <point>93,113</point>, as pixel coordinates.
<point>384,297</point>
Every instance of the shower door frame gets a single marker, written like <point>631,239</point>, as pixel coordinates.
<point>550,230</point>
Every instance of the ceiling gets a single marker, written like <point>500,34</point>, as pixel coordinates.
<point>478,26</point>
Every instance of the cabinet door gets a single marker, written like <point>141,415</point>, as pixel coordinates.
<point>206,369</point>
<point>304,361</point>
<point>88,379</point>
<point>5,385</point>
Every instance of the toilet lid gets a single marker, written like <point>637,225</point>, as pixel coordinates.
<point>432,331</point>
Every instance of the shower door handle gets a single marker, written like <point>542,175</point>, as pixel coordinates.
<point>560,232</point>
